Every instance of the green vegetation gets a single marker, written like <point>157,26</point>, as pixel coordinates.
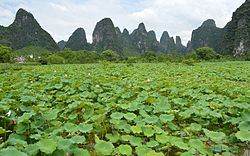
<point>144,109</point>
<point>5,54</point>
<point>55,59</point>
<point>32,50</point>
<point>206,53</point>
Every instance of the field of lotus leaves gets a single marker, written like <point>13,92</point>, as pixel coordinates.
<point>119,109</point>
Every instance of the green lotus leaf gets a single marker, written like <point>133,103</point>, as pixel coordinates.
<point>151,119</point>
<point>192,151</point>
<point>194,127</point>
<point>20,128</point>
<point>182,145</point>
<point>227,154</point>
<point>85,128</point>
<point>47,146</point>
<point>81,152</point>
<point>4,131</point>
<point>152,143</point>
<point>75,105</point>
<point>243,135</point>
<point>158,130</point>
<point>78,139</point>
<point>103,147</point>
<point>32,149</point>
<point>125,149</point>
<point>51,114</point>
<point>161,104</point>
<point>11,152</point>
<point>64,144</point>
<point>113,137</point>
<point>148,131</point>
<point>28,99</point>
<point>153,153</point>
<point>25,117</point>
<point>70,127</point>
<point>214,136</point>
<point>196,143</point>
<point>88,113</point>
<point>161,138</point>
<point>142,150</point>
<point>125,137</point>
<point>136,129</point>
<point>135,141</point>
<point>17,142</point>
<point>246,115</point>
<point>4,108</point>
<point>244,126</point>
<point>130,116</point>
<point>58,153</point>
<point>117,115</point>
<point>58,86</point>
<point>166,118</point>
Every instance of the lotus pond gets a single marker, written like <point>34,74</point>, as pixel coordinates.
<point>119,109</point>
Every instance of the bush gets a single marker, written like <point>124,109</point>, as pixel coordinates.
<point>167,62</point>
<point>55,59</point>
<point>206,53</point>
<point>189,62</point>
<point>104,63</point>
<point>5,54</point>
<point>131,60</point>
<point>109,55</point>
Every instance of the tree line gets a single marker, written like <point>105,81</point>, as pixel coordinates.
<point>67,56</point>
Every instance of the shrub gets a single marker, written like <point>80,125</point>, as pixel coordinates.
<point>131,60</point>
<point>206,53</point>
<point>55,59</point>
<point>189,62</point>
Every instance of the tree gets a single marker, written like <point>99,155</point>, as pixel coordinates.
<point>55,59</point>
<point>161,57</point>
<point>131,60</point>
<point>192,55</point>
<point>206,53</point>
<point>150,56</point>
<point>5,54</point>
<point>109,55</point>
<point>67,54</point>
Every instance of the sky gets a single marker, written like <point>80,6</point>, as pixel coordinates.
<point>61,18</point>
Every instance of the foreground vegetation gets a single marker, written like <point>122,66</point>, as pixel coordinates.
<point>125,109</point>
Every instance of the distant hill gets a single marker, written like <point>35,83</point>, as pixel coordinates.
<point>207,35</point>
<point>77,41</point>
<point>26,31</point>
<point>61,44</point>
<point>105,37</point>
<point>236,40</point>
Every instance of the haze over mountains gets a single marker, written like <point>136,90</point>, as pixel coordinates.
<point>233,39</point>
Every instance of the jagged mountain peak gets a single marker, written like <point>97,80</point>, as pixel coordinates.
<point>77,41</point>
<point>141,27</point>
<point>26,31</point>
<point>125,31</point>
<point>24,18</point>
<point>105,37</point>
<point>210,22</point>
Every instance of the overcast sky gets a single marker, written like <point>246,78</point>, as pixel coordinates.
<point>179,17</point>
